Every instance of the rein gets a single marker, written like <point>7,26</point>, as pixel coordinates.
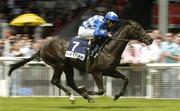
<point>113,37</point>
<point>121,39</point>
<point>128,39</point>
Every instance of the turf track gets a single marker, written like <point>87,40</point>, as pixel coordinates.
<point>101,104</point>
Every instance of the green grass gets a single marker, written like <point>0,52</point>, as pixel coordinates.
<point>101,104</point>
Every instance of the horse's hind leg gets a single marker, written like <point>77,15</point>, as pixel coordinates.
<point>117,74</point>
<point>57,82</point>
<point>70,82</point>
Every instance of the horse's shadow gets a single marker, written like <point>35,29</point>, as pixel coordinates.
<point>98,107</point>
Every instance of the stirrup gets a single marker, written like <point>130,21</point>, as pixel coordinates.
<point>92,54</point>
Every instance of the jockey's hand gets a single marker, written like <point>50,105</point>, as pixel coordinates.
<point>109,35</point>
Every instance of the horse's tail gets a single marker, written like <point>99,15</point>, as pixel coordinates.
<point>22,62</point>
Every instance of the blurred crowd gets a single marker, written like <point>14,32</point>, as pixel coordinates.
<point>164,49</point>
<point>19,45</point>
<point>56,12</point>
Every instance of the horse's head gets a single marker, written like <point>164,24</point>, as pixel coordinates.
<point>138,33</point>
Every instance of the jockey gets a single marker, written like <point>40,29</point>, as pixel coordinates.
<point>98,27</point>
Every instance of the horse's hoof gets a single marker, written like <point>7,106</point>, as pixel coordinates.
<point>72,99</point>
<point>91,101</point>
<point>116,97</point>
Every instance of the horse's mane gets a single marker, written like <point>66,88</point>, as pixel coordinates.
<point>121,26</point>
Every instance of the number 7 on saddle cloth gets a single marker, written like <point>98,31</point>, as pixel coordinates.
<point>77,49</point>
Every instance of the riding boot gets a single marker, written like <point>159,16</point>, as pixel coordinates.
<point>88,50</point>
<point>95,50</point>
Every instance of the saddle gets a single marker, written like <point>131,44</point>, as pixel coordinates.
<point>84,50</point>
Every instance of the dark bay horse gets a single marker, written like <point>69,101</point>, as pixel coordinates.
<point>53,54</point>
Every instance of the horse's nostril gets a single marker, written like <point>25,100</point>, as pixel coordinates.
<point>151,41</point>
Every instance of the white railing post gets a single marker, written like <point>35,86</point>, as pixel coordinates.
<point>4,87</point>
<point>108,86</point>
<point>63,78</point>
<point>149,87</point>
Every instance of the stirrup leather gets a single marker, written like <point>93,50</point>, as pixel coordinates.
<point>88,62</point>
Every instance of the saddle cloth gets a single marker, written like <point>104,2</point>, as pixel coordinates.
<point>77,48</point>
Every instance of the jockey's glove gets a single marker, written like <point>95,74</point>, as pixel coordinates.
<point>109,35</point>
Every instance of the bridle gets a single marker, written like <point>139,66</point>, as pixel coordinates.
<point>127,40</point>
<point>141,38</point>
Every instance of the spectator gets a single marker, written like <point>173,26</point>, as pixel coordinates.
<point>169,48</point>
<point>1,47</point>
<point>156,49</point>
<point>146,54</point>
<point>136,44</point>
<point>155,34</point>
<point>15,50</point>
<point>35,47</point>
<point>7,34</point>
<point>131,55</point>
<point>177,40</point>
<point>26,50</point>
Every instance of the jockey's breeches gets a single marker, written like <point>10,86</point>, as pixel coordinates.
<point>86,33</point>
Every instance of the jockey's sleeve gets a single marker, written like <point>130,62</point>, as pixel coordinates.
<point>99,32</point>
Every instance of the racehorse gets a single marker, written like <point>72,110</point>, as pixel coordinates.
<point>105,63</point>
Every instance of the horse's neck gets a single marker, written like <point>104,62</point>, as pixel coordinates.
<point>116,47</point>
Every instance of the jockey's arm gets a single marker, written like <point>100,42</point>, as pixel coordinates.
<point>99,32</point>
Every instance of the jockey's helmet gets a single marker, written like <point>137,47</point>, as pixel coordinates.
<point>112,16</point>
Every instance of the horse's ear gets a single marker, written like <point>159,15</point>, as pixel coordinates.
<point>135,24</point>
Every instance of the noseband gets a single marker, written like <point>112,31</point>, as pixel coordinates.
<point>141,38</point>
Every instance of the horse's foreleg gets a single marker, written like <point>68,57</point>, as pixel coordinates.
<point>99,82</point>
<point>117,74</point>
<point>70,82</point>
